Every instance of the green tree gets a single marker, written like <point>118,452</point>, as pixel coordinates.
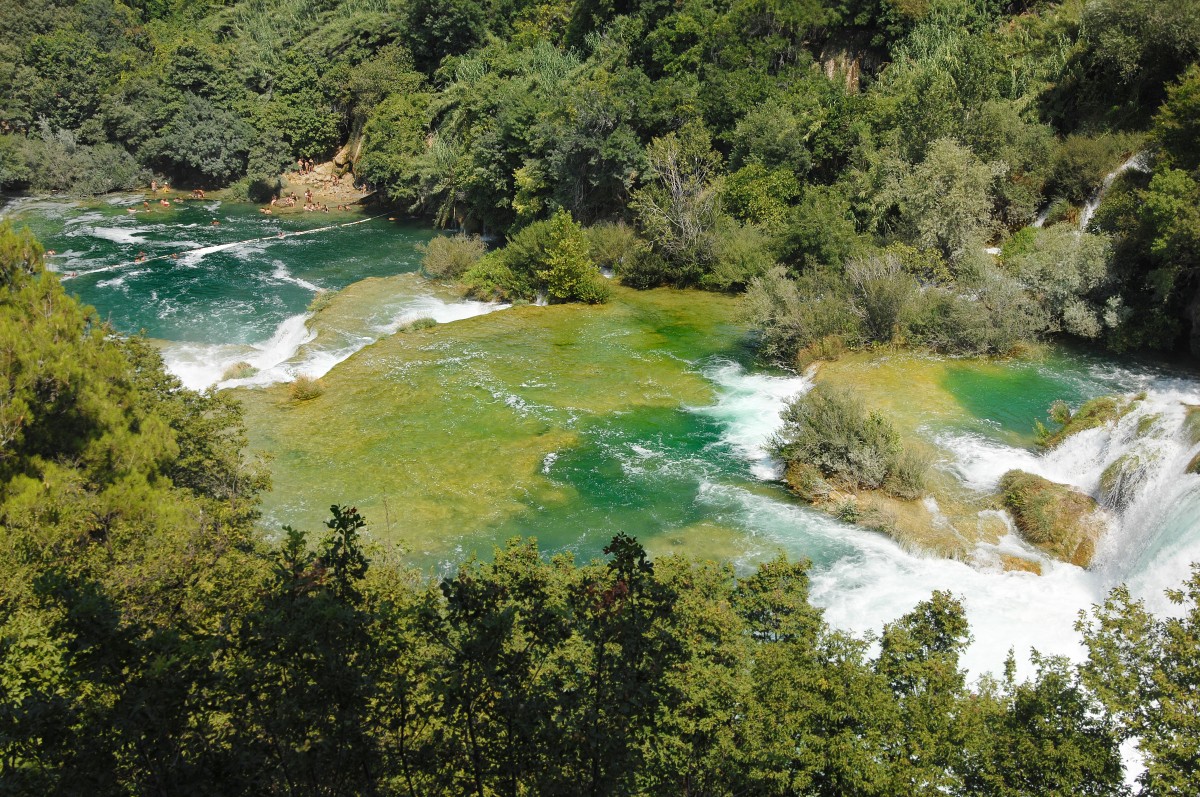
<point>1145,673</point>
<point>679,204</point>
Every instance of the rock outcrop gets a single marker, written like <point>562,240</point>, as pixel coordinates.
<point>1059,520</point>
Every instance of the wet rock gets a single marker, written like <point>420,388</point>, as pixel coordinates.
<point>1059,520</point>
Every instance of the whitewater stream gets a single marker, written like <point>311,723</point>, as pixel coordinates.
<point>647,415</point>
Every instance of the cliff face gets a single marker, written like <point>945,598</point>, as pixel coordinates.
<point>848,60</point>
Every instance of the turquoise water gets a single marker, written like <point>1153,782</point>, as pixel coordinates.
<point>648,415</point>
<point>236,295</point>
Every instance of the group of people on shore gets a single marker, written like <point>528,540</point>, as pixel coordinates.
<point>289,201</point>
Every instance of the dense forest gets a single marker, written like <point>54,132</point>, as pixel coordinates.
<point>965,176</point>
<point>151,642</point>
<point>846,161</point>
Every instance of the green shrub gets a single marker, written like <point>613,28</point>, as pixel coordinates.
<point>449,257</point>
<point>612,244</point>
<point>742,253</point>
<point>1080,165</point>
<point>907,477</point>
<point>419,324</point>
<point>306,388</point>
<point>241,370</point>
<point>831,431</point>
<point>791,315</point>
<point>551,256</point>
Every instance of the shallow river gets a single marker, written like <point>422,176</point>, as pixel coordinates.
<point>647,415</point>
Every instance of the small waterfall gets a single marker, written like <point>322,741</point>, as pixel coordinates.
<point>1137,468</point>
<point>1135,161</point>
<point>541,300</point>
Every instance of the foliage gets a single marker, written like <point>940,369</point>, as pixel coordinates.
<point>550,256</point>
<point>151,642</point>
<point>1066,270</point>
<point>831,431</point>
<point>450,257</point>
<point>727,135</point>
<point>1139,668</point>
<point>679,206</point>
<point>305,388</point>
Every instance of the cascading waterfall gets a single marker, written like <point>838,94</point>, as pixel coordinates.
<point>1136,467</point>
<point>1136,161</point>
<point>863,579</point>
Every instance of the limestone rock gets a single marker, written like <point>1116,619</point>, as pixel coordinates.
<point>1061,521</point>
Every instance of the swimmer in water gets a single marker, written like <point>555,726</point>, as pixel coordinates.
<point>216,223</point>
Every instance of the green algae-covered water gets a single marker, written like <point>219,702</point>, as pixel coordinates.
<point>647,415</point>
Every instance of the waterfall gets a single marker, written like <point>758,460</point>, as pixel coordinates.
<point>1135,467</point>
<point>1135,161</point>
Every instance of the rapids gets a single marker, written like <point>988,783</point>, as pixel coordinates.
<point>647,415</point>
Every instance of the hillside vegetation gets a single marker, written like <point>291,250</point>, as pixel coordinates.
<point>847,161</point>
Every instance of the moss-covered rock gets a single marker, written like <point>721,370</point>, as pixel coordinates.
<point>1147,423</point>
<point>1018,564</point>
<point>1194,465</point>
<point>1061,521</point>
<point>1096,412</point>
<point>1120,480</point>
<point>1191,423</point>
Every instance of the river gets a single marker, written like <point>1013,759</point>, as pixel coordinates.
<point>647,415</point>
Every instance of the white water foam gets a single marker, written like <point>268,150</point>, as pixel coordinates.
<point>296,349</point>
<point>200,366</point>
<point>282,274</point>
<point>748,407</point>
<point>117,235</point>
<point>864,580</point>
<point>439,310</point>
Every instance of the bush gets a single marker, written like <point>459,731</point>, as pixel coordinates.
<point>55,160</point>
<point>791,315</point>
<point>882,296</point>
<point>551,256</point>
<point>450,257</point>
<point>240,370</point>
<point>419,324</point>
<point>1080,165</point>
<point>742,253</point>
<point>612,244</point>
<point>830,431</point>
<point>907,478</point>
<point>306,388</point>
